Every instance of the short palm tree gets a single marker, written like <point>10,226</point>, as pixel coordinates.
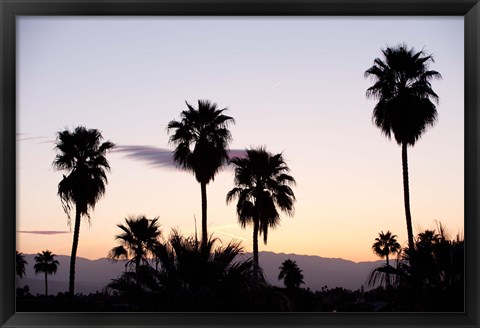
<point>423,258</point>
<point>138,240</point>
<point>201,138</point>
<point>214,278</point>
<point>262,185</point>
<point>384,245</point>
<point>291,274</point>
<point>189,278</point>
<point>45,262</point>
<point>81,154</point>
<point>20,264</point>
<point>404,108</point>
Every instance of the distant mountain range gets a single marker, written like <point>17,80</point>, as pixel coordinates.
<point>93,275</point>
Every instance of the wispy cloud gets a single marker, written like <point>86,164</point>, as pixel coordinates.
<point>225,226</point>
<point>43,232</point>
<point>25,137</point>
<point>222,229</point>
<point>279,82</point>
<point>230,235</point>
<point>156,156</point>
<point>30,138</point>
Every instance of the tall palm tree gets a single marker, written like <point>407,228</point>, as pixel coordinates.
<point>138,240</point>
<point>46,263</point>
<point>291,274</point>
<point>201,138</point>
<point>81,154</point>
<point>404,108</point>
<point>20,264</point>
<point>262,185</point>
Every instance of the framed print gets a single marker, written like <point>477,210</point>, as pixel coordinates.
<point>196,163</point>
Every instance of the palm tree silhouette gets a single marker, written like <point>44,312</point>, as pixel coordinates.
<point>291,274</point>
<point>384,245</point>
<point>82,155</point>
<point>433,272</point>
<point>20,264</point>
<point>201,138</point>
<point>405,108</point>
<point>138,240</point>
<point>262,184</point>
<point>45,262</point>
<point>190,278</point>
<point>214,272</point>
<point>424,257</point>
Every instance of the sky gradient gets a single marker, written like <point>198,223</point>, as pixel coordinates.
<point>294,85</point>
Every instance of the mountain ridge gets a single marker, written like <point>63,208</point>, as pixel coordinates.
<point>93,275</point>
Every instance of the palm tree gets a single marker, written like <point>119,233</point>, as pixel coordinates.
<point>45,262</point>
<point>262,185</point>
<point>214,278</point>
<point>291,274</point>
<point>201,138</point>
<point>405,108</point>
<point>429,277</point>
<point>384,245</point>
<point>138,240</point>
<point>423,258</point>
<point>20,264</point>
<point>82,155</point>
<point>189,278</point>
<point>433,271</point>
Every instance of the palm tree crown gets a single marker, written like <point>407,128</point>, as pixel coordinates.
<point>81,154</point>
<point>138,240</point>
<point>262,185</point>
<point>46,263</point>
<point>291,274</point>
<point>405,108</point>
<point>201,138</point>
<point>404,93</point>
<point>20,264</point>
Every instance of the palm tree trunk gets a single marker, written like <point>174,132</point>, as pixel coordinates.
<point>406,195</point>
<point>46,284</point>
<point>137,265</point>
<point>76,232</point>
<point>203,186</point>
<point>255,247</point>
<point>388,274</point>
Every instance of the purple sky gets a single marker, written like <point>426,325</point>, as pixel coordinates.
<point>293,84</point>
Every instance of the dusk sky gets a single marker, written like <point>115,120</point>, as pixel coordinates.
<point>292,84</point>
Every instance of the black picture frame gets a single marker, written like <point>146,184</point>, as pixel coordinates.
<point>9,9</point>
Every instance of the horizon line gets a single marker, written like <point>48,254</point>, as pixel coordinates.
<point>244,253</point>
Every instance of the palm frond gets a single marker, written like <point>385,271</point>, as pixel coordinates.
<point>405,106</point>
